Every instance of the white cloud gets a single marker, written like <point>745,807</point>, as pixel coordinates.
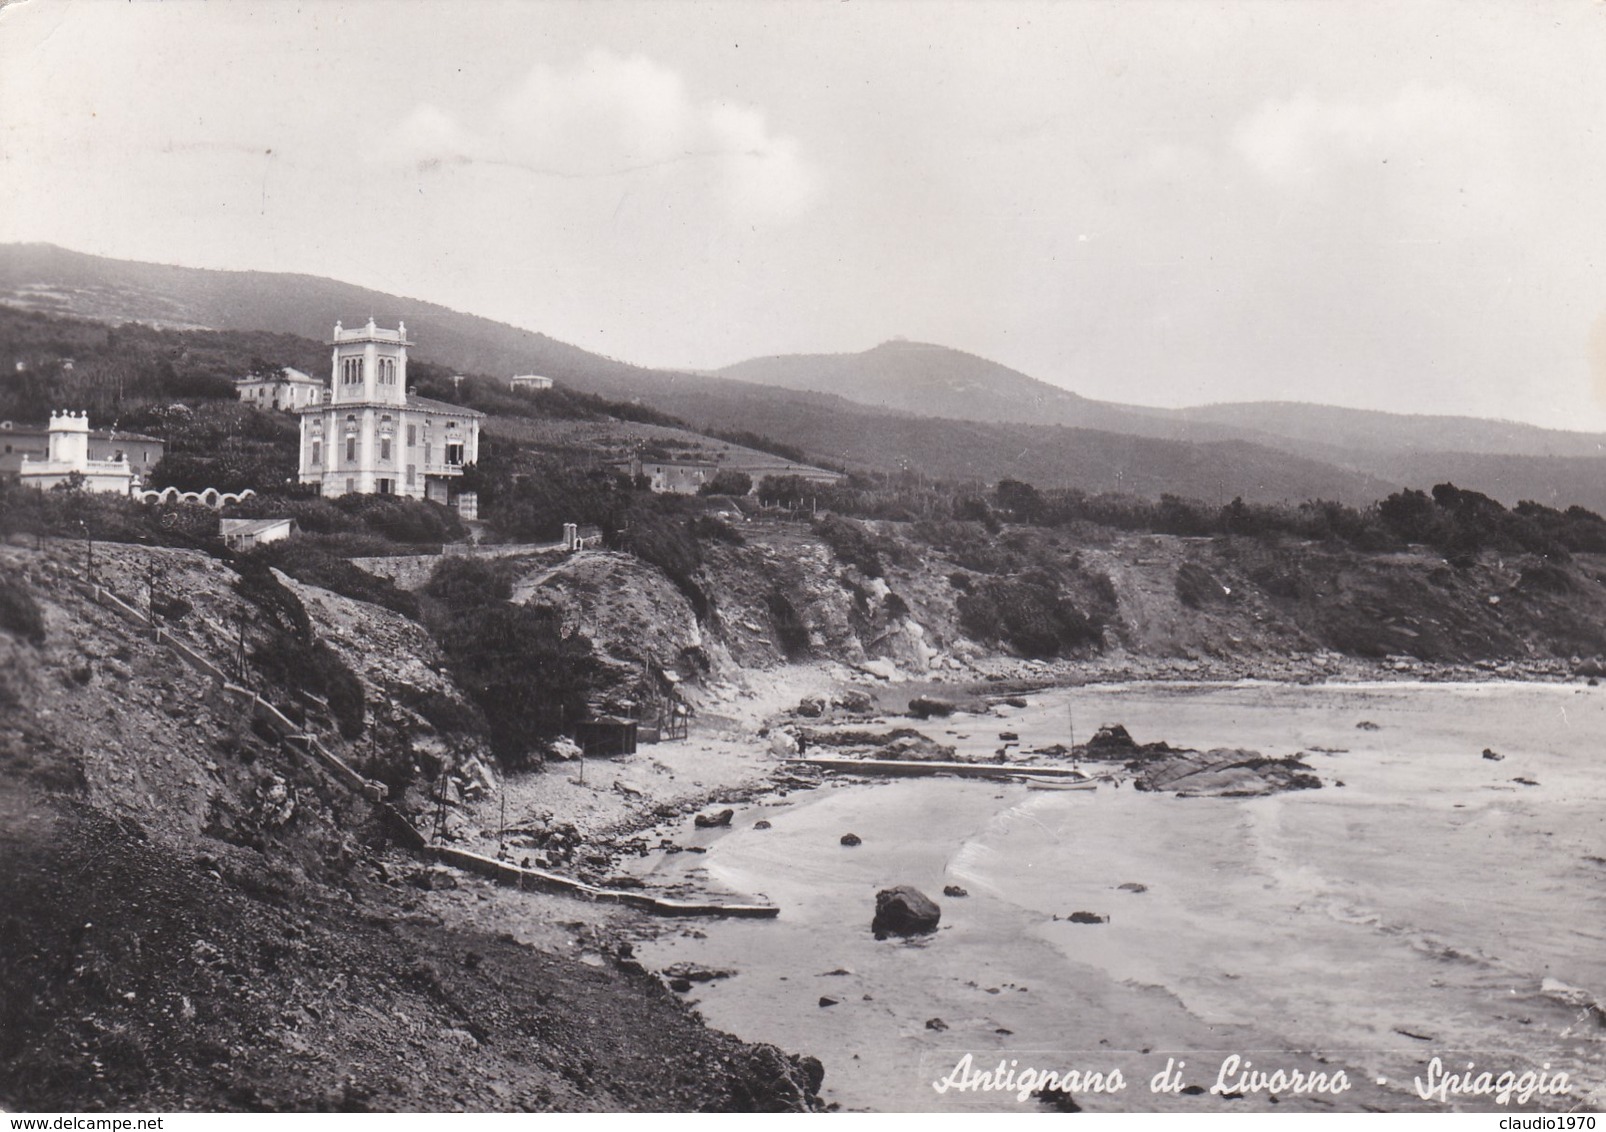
<point>1437,153</point>
<point>623,117</point>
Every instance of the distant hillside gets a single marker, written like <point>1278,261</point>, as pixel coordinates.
<point>936,381</point>
<point>54,280</point>
<point>885,409</point>
<point>1336,430</point>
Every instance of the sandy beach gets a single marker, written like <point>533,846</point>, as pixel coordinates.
<point>1436,904</point>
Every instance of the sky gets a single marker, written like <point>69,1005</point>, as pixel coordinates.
<point>1396,206</point>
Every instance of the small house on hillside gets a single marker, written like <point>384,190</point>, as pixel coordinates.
<point>97,461</point>
<point>525,381</point>
<point>243,534</point>
<point>287,390</point>
<point>19,442</point>
<point>674,477</point>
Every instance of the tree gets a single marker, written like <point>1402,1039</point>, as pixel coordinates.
<point>1020,501</point>
<point>728,481</point>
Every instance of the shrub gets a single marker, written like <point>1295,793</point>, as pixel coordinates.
<point>19,613</point>
<point>518,666</point>
<point>728,481</point>
<point>853,544</point>
<point>516,663</point>
<point>289,654</point>
<point>670,544</point>
<point>1029,615</point>
<point>416,522</point>
<point>461,584</point>
<point>710,528</point>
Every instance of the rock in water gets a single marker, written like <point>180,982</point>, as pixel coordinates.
<point>1492,756</point>
<point>954,890</point>
<point>851,839</point>
<point>710,821</point>
<point>1111,737</point>
<point>904,910</point>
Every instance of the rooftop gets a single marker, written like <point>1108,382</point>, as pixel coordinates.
<point>414,402</point>
<point>286,374</point>
<point>370,333</point>
<point>94,433</point>
<point>249,526</point>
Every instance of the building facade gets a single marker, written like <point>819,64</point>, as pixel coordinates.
<point>371,436</point>
<point>673,477</point>
<point>529,381</point>
<point>67,457</point>
<point>18,441</point>
<point>288,390</point>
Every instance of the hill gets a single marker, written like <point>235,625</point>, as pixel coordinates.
<point>937,381</point>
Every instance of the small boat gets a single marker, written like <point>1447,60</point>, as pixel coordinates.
<point>1042,782</point>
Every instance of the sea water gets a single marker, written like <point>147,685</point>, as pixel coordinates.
<point>1431,906</point>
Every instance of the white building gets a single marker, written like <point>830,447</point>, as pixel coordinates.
<point>288,390</point>
<point>529,381</point>
<point>373,436</point>
<point>67,455</point>
<point>243,534</point>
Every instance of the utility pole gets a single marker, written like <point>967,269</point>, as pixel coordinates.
<point>440,808</point>
<point>239,656</point>
<point>89,544</point>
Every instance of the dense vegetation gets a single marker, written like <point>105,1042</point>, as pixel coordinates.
<point>120,373</point>
<point>288,653</point>
<point>526,671</point>
<point>1451,520</point>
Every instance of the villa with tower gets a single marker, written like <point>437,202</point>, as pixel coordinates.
<point>370,434</point>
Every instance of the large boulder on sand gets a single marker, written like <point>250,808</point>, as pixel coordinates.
<point>924,707</point>
<point>854,701</point>
<point>915,748</point>
<point>904,910</point>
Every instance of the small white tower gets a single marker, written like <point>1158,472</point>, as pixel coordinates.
<point>368,365</point>
<point>69,440</point>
